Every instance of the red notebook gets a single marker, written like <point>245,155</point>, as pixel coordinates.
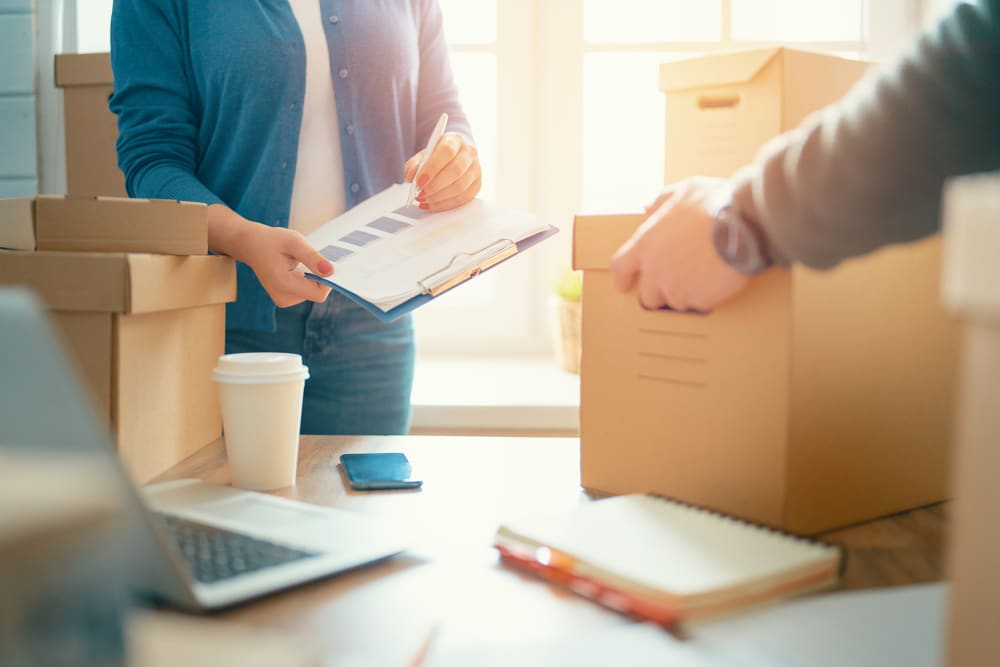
<point>664,561</point>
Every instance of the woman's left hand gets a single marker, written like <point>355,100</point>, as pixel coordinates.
<point>450,177</point>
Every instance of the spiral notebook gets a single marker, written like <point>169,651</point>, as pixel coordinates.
<point>665,561</point>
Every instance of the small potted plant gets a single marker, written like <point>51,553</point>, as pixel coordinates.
<point>568,290</point>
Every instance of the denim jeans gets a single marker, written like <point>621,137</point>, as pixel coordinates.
<point>360,368</point>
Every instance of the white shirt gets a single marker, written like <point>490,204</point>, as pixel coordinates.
<point>318,191</point>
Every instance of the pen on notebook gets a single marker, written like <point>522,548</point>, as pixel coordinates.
<point>431,145</point>
<point>420,659</point>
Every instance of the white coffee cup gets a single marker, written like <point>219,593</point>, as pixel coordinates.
<point>261,396</point>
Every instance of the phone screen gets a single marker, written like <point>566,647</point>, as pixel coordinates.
<point>379,470</point>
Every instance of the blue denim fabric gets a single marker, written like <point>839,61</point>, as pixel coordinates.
<point>361,369</point>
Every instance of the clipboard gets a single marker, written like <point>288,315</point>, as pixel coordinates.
<point>449,276</point>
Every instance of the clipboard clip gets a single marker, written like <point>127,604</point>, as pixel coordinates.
<point>458,270</point>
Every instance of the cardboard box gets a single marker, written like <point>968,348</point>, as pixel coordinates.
<point>145,331</point>
<point>720,109</point>
<point>971,214</point>
<point>104,224</point>
<point>91,128</point>
<point>17,223</point>
<point>811,401</point>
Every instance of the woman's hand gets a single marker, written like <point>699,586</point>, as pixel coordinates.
<point>450,177</point>
<point>275,254</point>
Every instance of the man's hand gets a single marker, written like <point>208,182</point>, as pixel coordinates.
<point>450,177</point>
<point>672,257</point>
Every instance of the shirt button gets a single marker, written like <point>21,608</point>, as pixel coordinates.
<point>334,19</point>
<point>277,221</point>
<point>343,73</point>
<point>350,128</point>
<point>284,164</point>
<point>292,106</point>
<point>355,187</point>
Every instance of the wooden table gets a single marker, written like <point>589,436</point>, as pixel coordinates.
<point>451,578</point>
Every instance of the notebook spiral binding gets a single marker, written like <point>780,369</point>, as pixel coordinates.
<point>843,553</point>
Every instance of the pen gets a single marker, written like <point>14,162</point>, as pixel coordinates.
<point>431,145</point>
<point>425,648</point>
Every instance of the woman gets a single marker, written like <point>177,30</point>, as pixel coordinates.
<point>282,114</point>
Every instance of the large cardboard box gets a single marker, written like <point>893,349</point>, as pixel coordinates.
<point>91,128</point>
<point>145,331</point>
<point>720,109</point>
<point>104,224</point>
<point>813,400</point>
<point>972,289</point>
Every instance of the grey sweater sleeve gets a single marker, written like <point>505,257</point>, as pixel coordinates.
<point>868,171</point>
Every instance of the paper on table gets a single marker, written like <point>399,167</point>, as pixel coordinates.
<point>895,626</point>
<point>383,249</point>
<point>898,626</point>
<point>634,645</point>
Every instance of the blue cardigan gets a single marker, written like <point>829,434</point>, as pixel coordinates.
<point>209,96</point>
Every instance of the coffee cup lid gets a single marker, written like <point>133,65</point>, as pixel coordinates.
<point>253,367</point>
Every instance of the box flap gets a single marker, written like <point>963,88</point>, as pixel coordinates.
<point>119,224</point>
<point>119,282</point>
<point>597,237</point>
<point>17,224</point>
<point>717,69</point>
<point>161,282</point>
<point>69,280</point>
<point>83,69</point>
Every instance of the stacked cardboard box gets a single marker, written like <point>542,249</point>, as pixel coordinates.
<point>139,302</point>
<point>91,128</point>
<point>971,289</point>
<point>814,399</point>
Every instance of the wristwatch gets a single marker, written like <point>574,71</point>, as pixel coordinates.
<point>738,240</point>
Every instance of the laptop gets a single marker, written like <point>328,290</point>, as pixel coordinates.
<point>187,543</point>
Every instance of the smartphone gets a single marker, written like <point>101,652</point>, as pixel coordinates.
<point>379,470</point>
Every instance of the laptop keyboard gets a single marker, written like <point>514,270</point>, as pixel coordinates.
<point>214,554</point>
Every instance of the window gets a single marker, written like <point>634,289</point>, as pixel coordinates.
<point>562,96</point>
<point>93,21</point>
<point>580,77</point>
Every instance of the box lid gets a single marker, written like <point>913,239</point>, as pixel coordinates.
<point>120,224</point>
<point>597,237</point>
<point>717,69</point>
<point>119,282</point>
<point>83,69</point>
<point>971,221</point>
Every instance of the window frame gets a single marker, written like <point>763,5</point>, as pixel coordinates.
<point>540,51</point>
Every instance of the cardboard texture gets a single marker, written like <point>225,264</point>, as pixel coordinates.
<point>104,224</point>
<point>145,332</point>
<point>721,109</point>
<point>811,401</point>
<point>971,214</point>
<point>91,128</point>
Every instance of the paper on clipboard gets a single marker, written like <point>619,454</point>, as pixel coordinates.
<point>386,254</point>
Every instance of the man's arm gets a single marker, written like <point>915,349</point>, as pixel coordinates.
<point>869,170</point>
<point>860,174</point>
